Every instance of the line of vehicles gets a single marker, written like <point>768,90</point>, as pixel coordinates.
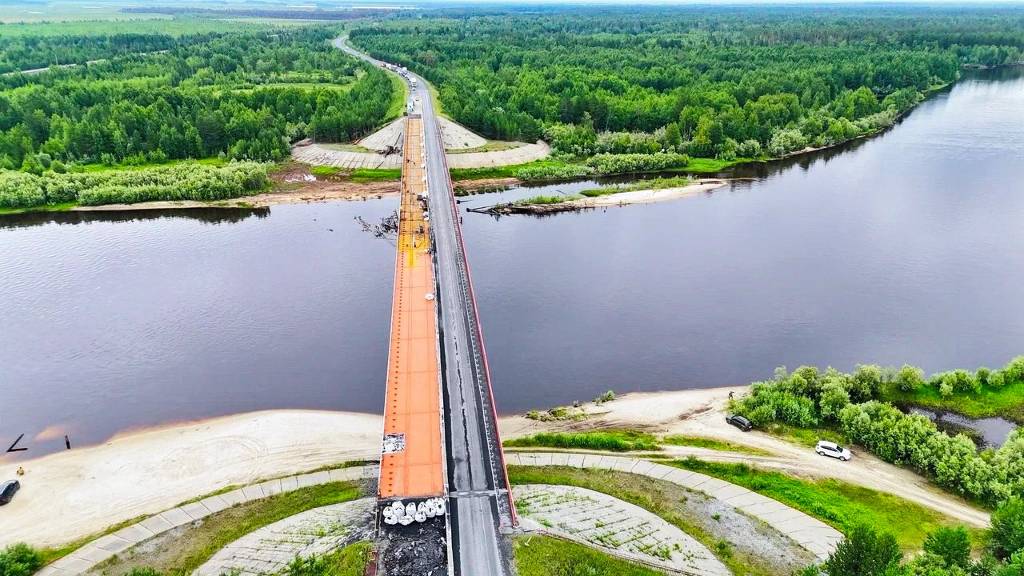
<point>822,448</point>
<point>401,71</point>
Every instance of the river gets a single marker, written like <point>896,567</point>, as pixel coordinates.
<point>907,247</point>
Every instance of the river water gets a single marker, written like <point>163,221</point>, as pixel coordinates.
<point>908,247</point>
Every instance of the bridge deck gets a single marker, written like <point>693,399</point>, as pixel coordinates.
<point>412,401</point>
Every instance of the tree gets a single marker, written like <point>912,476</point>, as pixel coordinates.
<point>953,545</point>
<point>1007,535</point>
<point>909,378</point>
<point>864,553</point>
<point>673,138</point>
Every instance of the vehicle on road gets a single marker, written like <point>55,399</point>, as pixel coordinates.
<point>739,422</point>
<point>833,450</point>
<point>7,491</point>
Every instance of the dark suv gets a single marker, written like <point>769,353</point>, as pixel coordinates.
<point>7,490</point>
<point>739,422</point>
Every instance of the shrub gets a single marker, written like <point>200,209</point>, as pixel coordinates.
<point>19,560</point>
<point>804,398</point>
<point>961,381</point>
<point>909,378</point>
<point>866,382</point>
<point>554,172</point>
<point>953,545</point>
<point>632,163</point>
<point>785,141</point>
<point>608,440</point>
<point>20,190</point>
<point>186,181</point>
<point>864,553</point>
<point>1007,534</point>
<point>749,149</point>
<point>1014,371</point>
<point>834,398</point>
<point>996,379</point>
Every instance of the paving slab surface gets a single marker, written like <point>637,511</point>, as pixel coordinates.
<point>809,532</point>
<point>599,520</point>
<point>311,533</point>
<point>455,136</point>
<point>91,554</point>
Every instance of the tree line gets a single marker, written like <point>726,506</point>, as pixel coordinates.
<point>724,83</point>
<point>852,403</point>
<point>243,95</point>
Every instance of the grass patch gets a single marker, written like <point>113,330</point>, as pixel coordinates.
<point>1006,401</point>
<point>196,544</point>
<point>546,200</point>
<point>351,560</point>
<point>399,96</point>
<point>48,555</point>
<point>325,171</point>
<point>62,207</point>
<point>658,497</point>
<point>652,184</point>
<point>808,437</point>
<point>712,444</point>
<point>435,98</point>
<point>547,556</point>
<point>606,440</point>
<point>503,171</point>
<point>365,175</point>
<point>839,504</point>
<point>490,146</point>
<point>711,165</point>
<point>359,175</point>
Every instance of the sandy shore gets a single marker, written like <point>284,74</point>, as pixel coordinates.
<point>650,196</point>
<point>615,199</point>
<point>68,495</point>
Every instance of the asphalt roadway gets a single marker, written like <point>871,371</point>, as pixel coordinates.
<point>479,501</point>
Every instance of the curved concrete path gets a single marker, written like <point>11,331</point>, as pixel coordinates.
<point>88,556</point>
<point>599,520</point>
<point>314,532</point>
<point>811,533</point>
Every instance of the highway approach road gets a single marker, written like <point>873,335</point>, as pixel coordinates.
<point>481,506</point>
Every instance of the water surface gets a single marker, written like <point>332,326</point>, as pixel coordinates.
<point>908,247</point>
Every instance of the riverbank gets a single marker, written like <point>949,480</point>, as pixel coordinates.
<point>287,183</point>
<point>73,494</point>
<point>540,206</point>
<point>303,195</point>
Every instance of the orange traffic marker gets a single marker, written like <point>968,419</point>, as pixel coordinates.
<point>412,463</point>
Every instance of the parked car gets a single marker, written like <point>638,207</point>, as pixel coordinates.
<point>7,490</point>
<point>832,449</point>
<point>739,422</point>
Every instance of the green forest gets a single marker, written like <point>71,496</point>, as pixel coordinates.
<point>726,82</point>
<point>243,95</point>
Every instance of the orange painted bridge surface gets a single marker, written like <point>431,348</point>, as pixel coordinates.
<point>412,401</point>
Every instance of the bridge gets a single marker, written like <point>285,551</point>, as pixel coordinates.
<point>437,352</point>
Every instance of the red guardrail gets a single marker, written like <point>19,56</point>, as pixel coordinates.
<point>479,331</point>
